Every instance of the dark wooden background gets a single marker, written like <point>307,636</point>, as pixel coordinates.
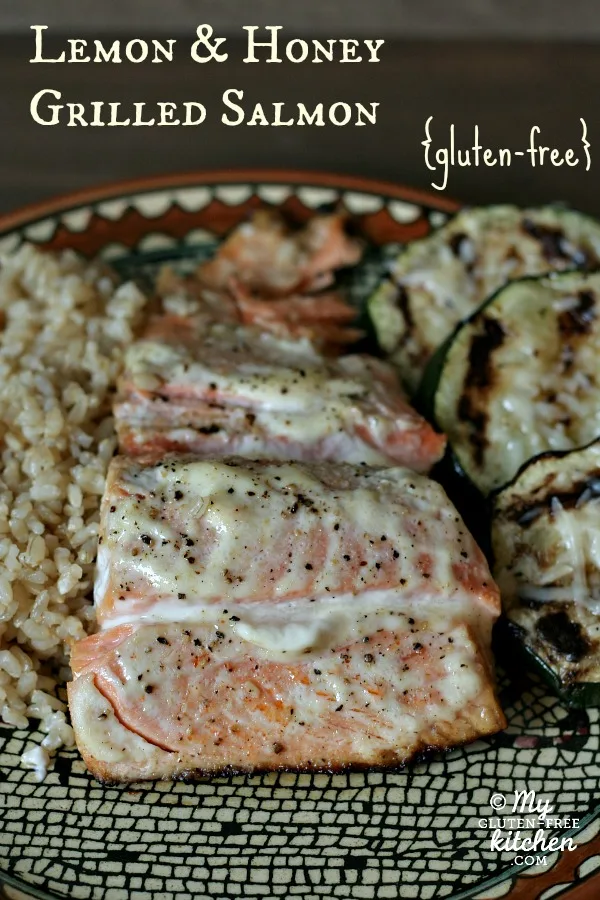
<point>520,19</point>
<point>504,87</point>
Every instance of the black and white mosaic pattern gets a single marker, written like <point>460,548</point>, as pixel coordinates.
<point>355,835</point>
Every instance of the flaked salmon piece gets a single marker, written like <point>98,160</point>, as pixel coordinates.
<point>170,701</point>
<point>322,318</point>
<point>269,258</point>
<point>265,274</point>
<point>325,318</point>
<point>180,534</point>
<point>220,388</point>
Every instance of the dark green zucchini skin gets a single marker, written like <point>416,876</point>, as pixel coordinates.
<point>513,651</point>
<point>424,399</point>
<point>473,506</point>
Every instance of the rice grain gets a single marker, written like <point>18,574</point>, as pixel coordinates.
<point>65,326</point>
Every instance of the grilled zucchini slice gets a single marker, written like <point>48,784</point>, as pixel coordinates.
<point>521,376</point>
<point>439,280</point>
<point>546,546</point>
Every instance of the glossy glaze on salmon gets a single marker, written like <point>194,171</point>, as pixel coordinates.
<point>166,701</point>
<point>183,533</point>
<point>221,388</point>
<point>280,615</point>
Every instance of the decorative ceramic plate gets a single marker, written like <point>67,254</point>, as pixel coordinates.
<point>420,833</point>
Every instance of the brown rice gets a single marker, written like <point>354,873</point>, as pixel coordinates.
<point>64,327</point>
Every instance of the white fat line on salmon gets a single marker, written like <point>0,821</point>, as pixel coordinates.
<point>297,627</point>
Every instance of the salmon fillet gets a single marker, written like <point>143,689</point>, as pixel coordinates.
<point>170,701</point>
<point>183,532</point>
<point>221,388</point>
<point>259,615</point>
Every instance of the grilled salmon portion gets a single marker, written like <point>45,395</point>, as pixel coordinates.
<point>260,615</point>
<point>167,701</point>
<point>181,534</point>
<point>325,319</point>
<point>220,388</point>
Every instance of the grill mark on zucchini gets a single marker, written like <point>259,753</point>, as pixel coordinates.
<point>452,270</point>
<point>456,242</point>
<point>403,304</point>
<point>479,379</point>
<point>459,243</point>
<point>527,513</point>
<point>563,635</point>
<point>552,242</point>
<point>477,436</point>
<point>580,319</point>
<point>550,239</point>
<point>544,528</point>
<point>574,323</point>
